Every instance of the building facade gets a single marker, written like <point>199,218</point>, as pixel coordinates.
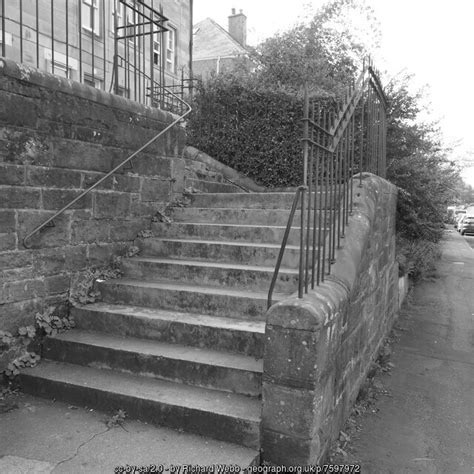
<point>129,47</point>
<point>217,50</point>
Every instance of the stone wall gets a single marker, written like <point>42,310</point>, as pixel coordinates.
<point>319,348</point>
<point>57,138</point>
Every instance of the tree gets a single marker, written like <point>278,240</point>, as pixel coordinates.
<point>418,163</point>
<point>325,51</point>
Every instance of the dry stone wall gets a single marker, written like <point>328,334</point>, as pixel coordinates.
<point>58,137</point>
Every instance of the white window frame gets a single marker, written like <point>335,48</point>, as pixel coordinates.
<point>93,9</point>
<point>171,44</point>
<point>157,49</point>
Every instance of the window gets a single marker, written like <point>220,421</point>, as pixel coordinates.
<point>157,49</point>
<point>171,50</point>
<point>91,16</point>
<point>93,81</point>
<point>120,8</point>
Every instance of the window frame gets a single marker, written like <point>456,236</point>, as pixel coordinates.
<point>171,64</point>
<point>94,24</point>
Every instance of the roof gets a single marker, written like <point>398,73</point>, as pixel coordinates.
<point>212,41</point>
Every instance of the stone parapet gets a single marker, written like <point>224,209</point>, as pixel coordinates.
<point>318,349</point>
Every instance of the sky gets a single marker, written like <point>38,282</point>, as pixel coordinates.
<point>433,39</point>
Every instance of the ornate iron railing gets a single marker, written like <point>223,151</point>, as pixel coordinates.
<point>340,140</point>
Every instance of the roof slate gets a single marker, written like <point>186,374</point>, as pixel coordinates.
<point>211,41</point>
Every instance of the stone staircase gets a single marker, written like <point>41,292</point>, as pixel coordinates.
<point>178,341</point>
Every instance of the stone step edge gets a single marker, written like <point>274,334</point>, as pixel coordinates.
<point>163,350</point>
<point>179,317</point>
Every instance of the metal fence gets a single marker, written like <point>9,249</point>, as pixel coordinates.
<point>117,45</point>
<point>340,141</point>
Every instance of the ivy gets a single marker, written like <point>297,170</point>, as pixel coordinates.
<point>50,324</point>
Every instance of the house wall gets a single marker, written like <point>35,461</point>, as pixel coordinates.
<point>57,138</point>
<point>177,11</point>
<point>319,349</point>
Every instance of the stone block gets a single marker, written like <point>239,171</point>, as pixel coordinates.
<point>294,412</point>
<point>127,230</point>
<point>19,313</point>
<point>293,357</point>
<point>22,290</point>
<point>15,259</point>
<point>8,242</point>
<point>111,205</point>
<point>18,110</point>
<point>16,197</point>
<point>126,183</point>
<point>101,254</point>
<point>12,175</point>
<point>90,231</point>
<point>157,190</point>
<point>48,236</point>
<point>57,284</point>
<point>48,177</point>
<point>82,156</point>
<point>7,221</point>
<point>282,450</point>
<point>60,260</point>
<point>150,165</point>
<point>58,198</point>
<point>15,274</point>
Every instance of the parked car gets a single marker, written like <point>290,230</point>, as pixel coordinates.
<point>466,225</point>
<point>460,217</point>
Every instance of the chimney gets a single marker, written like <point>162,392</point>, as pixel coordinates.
<point>238,27</point>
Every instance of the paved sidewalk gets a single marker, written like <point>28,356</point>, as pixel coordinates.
<point>426,423</point>
<point>42,436</point>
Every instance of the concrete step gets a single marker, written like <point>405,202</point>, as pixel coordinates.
<point>264,217</point>
<point>243,200</point>
<point>177,363</point>
<point>199,330</point>
<point>209,273</point>
<point>221,415</point>
<point>224,252</point>
<point>205,186</point>
<point>228,232</point>
<point>193,298</point>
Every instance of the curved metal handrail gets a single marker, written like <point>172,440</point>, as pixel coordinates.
<point>50,220</point>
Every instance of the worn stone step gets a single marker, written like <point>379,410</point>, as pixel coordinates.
<point>264,217</point>
<point>228,232</point>
<point>193,298</point>
<point>224,252</point>
<point>221,415</point>
<point>199,330</point>
<point>177,363</point>
<point>209,273</point>
<point>243,200</point>
<point>206,186</point>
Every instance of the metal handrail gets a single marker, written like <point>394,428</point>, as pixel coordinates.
<point>50,220</point>
<point>329,148</point>
<point>299,192</point>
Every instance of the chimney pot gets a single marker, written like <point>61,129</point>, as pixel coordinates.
<point>233,11</point>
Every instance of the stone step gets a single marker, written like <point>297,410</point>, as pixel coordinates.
<point>221,415</point>
<point>193,298</point>
<point>225,252</point>
<point>197,170</point>
<point>243,200</point>
<point>199,330</point>
<point>209,273</point>
<point>198,186</point>
<point>228,232</point>
<point>264,217</point>
<point>177,363</point>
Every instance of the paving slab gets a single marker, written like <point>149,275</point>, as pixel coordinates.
<point>43,436</point>
<point>426,422</point>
